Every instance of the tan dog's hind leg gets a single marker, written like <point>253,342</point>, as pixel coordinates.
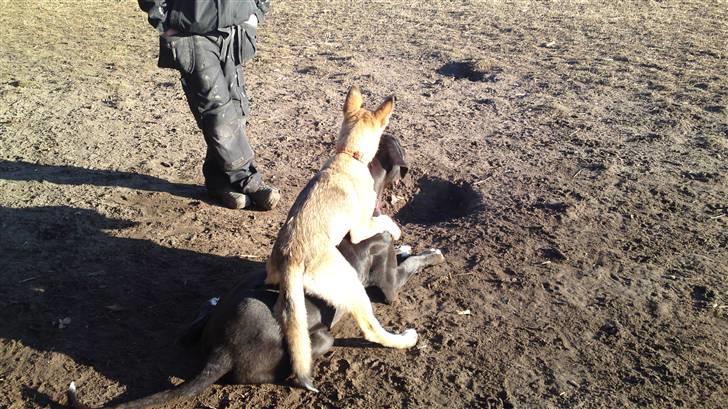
<point>372,329</point>
<point>335,281</point>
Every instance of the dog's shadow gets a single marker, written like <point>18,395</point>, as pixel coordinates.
<point>39,398</point>
<point>358,343</point>
<point>115,304</point>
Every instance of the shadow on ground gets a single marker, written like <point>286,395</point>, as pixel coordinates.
<point>115,304</point>
<point>72,175</point>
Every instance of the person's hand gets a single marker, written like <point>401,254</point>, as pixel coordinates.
<point>170,32</point>
<point>253,20</point>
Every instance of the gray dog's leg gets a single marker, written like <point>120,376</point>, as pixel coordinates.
<point>406,269</point>
<point>414,264</point>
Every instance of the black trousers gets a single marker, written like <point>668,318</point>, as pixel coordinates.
<point>213,80</point>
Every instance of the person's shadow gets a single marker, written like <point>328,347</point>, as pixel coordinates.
<point>115,304</point>
<point>72,175</point>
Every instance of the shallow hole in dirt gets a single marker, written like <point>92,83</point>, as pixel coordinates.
<point>715,108</point>
<point>438,200</point>
<point>471,70</point>
<point>702,296</point>
<point>552,254</point>
<point>701,176</point>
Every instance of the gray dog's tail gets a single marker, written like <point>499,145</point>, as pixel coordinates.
<point>219,363</point>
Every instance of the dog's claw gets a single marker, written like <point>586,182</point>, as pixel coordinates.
<point>307,383</point>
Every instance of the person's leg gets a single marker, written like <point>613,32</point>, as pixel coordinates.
<point>228,163</point>
<point>263,195</point>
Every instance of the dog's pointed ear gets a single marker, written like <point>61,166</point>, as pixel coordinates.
<point>385,111</point>
<point>395,153</point>
<point>353,101</point>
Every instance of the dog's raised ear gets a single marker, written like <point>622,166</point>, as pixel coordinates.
<point>353,101</point>
<point>396,152</point>
<point>384,111</point>
<point>391,156</point>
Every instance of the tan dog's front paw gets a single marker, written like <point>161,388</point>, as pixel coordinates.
<point>395,231</point>
<point>387,224</point>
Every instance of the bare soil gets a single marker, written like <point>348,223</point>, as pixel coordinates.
<point>569,157</point>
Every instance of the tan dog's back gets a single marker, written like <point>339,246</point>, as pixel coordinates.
<point>321,216</point>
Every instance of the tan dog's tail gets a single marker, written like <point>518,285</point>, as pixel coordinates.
<point>295,324</point>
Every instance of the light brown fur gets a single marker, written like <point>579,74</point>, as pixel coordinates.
<point>338,201</point>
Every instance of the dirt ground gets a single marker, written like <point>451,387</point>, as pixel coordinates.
<point>568,157</point>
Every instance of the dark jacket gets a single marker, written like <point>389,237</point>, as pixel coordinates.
<point>201,16</point>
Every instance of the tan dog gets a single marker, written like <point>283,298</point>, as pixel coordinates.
<point>338,201</point>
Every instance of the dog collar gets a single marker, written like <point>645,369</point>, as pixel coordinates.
<point>354,154</point>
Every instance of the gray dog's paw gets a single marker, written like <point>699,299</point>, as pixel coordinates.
<point>404,251</point>
<point>434,256</point>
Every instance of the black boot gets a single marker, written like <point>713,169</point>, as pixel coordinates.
<point>265,197</point>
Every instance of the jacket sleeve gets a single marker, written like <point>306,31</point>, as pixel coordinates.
<point>157,12</point>
<point>262,7</point>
